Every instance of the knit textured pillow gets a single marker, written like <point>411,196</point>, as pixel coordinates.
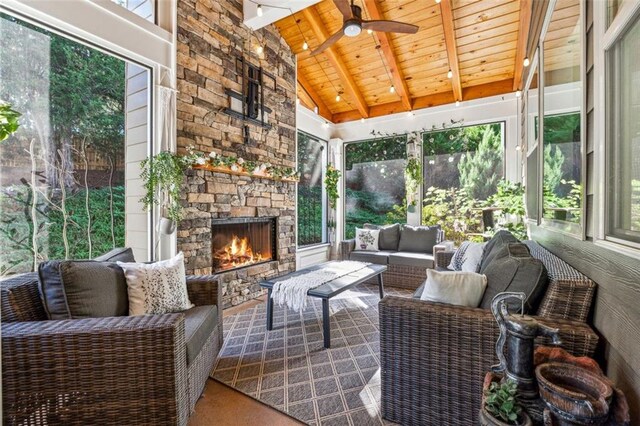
<point>157,288</point>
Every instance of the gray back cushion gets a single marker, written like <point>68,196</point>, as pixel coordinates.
<point>418,239</point>
<point>389,235</point>
<point>493,247</point>
<point>514,269</point>
<point>83,289</point>
<point>118,254</point>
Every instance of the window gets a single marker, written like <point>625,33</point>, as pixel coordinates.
<point>62,189</point>
<point>623,81</point>
<point>462,169</point>
<point>562,104</point>
<point>312,200</point>
<point>374,182</point>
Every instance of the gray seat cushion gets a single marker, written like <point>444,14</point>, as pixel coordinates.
<point>119,254</point>
<point>513,269</point>
<point>421,260</point>
<point>377,257</point>
<point>199,323</point>
<point>389,235</point>
<point>83,289</point>
<point>418,239</point>
<point>493,247</point>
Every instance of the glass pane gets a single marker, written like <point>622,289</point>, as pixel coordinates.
<point>311,198</point>
<point>62,180</point>
<point>463,167</point>
<point>562,184</point>
<point>374,179</point>
<point>625,137</point>
<point>532,165</point>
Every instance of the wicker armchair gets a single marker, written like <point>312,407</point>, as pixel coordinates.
<point>434,356</point>
<point>116,370</point>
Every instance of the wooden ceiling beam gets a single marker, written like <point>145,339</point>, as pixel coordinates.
<point>521,47</point>
<point>452,52</point>
<point>468,93</point>
<point>317,26</point>
<point>397,75</point>
<point>310,96</point>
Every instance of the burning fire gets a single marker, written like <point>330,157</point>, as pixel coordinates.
<point>237,253</point>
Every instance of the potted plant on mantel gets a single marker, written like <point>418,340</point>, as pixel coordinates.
<point>500,406</point>
<point>163,175</point>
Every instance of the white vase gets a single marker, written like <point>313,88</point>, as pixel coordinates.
<point>166,226</point>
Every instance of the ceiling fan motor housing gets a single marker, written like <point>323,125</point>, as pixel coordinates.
<point>353,26</point>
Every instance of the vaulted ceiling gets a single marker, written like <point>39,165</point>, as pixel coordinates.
<point>483,43</point>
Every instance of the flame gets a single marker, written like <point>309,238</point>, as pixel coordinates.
<point>237,253</point>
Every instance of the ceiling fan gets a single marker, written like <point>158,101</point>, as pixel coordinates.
<point>353,25</point>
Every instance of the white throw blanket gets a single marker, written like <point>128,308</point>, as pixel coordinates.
<point>293,291</point>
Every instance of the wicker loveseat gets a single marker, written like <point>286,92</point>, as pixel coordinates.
<point>434,356</point>
<point>405,269</point>
<point>130,370</point>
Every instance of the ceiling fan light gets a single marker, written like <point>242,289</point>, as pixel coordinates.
<point>352,29</point>
<point>259,10</point>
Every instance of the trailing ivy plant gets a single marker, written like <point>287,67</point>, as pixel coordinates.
<point>331,178</point>
<point>500,402</point>
<point>412,178</point>
<point>163,175</point>
<point>8,121</point>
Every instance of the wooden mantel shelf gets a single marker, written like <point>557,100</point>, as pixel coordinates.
<point>242,172</point>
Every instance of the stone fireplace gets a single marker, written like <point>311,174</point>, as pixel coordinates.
<point>211,36</point>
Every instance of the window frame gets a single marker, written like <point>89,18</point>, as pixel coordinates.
<point>123,34</point>
<point>568,228</point>
<point>607,39</point>
<point>325,199</point>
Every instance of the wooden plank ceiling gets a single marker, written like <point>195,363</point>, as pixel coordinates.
<point>482,42</point>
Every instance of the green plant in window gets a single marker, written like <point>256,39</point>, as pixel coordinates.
<point>553,161</point>
<point>509,198</point>
<point>163,175</point>
<point>412,178</point>
<point>331,178</point>
<point>8,121</point>
<point>481,171</point>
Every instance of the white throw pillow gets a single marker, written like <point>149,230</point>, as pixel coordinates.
<point>454,288</point>
<point>468,257</point>
<point>367,239</point>
<point>157,288</point>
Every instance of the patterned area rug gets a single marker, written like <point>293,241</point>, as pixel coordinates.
<point>288,368</point>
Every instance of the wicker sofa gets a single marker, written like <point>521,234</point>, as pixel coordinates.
<point>405,269</point>
<point>434,356</point>
<point>134,370</point>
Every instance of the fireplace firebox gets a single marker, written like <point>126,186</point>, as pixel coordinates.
<point>241,242</point>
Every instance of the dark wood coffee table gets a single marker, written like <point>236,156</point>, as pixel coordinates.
<point>326,291</point>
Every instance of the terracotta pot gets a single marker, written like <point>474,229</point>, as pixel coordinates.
<point>486,419</point>
<point>574,393</point>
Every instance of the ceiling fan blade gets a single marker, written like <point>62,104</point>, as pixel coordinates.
<point>328,42</point>
<point>390,27</point>
<point>344,8</point>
